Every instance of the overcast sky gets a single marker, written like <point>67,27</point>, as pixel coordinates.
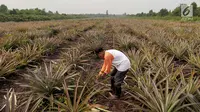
<point>97,6</point>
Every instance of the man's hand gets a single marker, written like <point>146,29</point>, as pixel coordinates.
<point>101,75</point>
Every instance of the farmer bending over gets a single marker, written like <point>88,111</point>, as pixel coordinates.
<point>121,65</point>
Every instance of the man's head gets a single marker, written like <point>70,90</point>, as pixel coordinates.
<point>100,52</point>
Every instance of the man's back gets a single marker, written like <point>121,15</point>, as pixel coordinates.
<point>120,59</point>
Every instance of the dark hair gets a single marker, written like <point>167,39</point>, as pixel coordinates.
<point>98,50</point>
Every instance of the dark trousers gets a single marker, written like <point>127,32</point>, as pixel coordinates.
<point>117,78</point>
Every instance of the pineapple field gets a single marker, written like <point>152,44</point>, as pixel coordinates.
<point>51,66</point>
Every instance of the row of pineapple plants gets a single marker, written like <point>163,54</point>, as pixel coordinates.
<point>21,49</point>
<point>184,46</point>
<point>154,83</point>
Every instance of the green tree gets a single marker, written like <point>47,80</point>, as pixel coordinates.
<point>151,13</point>
<point>163,12</point>
<point>3,9</point>
<point>14,11</point>
<point>43,12</point>
<point>170,13</point>
<point>177,11</point>
<point>50,12</point>
<point>57,12</point>
<point>194,8</point>
<point>198,11</point>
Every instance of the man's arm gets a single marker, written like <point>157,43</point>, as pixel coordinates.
<point>103,68</point>
<point>107,64</point>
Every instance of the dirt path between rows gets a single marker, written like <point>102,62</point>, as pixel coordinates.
<point>113,105</point>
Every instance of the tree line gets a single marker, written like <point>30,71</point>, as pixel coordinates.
<point>32,15</point>
<point>165,12</point>
<point>41,14</point>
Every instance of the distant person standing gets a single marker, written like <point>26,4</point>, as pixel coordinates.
<point>121,65</point>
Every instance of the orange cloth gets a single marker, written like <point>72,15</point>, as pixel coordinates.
<point>108,58</point>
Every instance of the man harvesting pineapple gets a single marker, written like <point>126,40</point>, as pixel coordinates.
<point>121,66</point>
